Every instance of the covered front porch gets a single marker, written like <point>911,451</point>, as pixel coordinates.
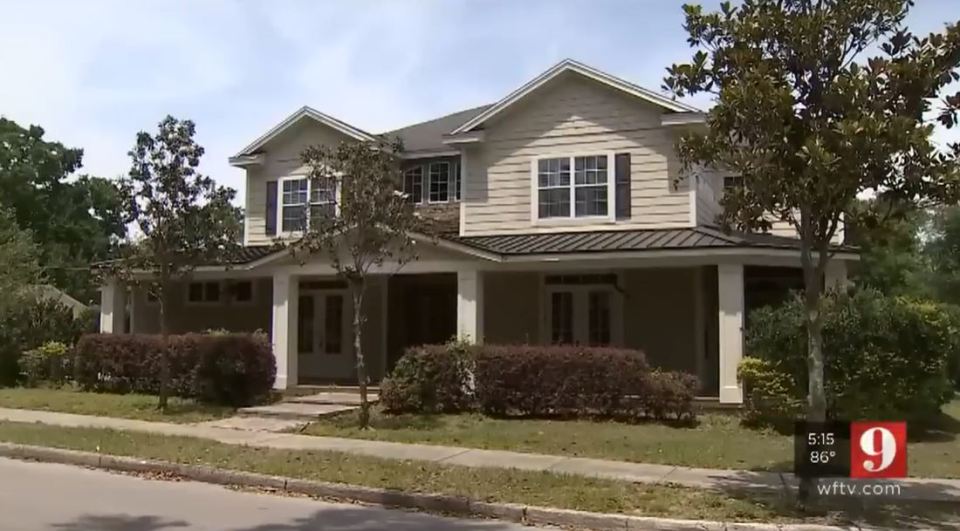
<point>686,313</point>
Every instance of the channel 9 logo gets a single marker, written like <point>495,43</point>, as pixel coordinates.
<point>874,450</point>
<point>878,449</point>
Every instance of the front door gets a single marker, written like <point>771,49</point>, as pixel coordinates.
<point>324,340</point>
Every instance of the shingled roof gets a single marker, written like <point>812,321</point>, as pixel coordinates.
<point>427,137</point>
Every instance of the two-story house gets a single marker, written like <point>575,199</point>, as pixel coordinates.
<point>563,218</point>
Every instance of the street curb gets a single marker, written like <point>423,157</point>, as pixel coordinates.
<point>391,498</point>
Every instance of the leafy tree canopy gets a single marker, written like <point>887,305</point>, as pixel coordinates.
<point>74,220</point>
<point>18,260</point>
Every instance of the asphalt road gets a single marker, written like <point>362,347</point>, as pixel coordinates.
<point>41,496</point>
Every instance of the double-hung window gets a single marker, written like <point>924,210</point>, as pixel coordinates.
<point>439,182</point>
<point>574,187</point>
<point>303,200</point>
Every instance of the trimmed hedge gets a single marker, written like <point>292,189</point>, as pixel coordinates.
<point>231,369</point>
<point>430,379</point>
<point>884,357</point>
<point>562,380</point>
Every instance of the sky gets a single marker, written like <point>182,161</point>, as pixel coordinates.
<point>93,73</point>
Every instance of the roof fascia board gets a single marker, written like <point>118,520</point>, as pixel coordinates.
<point>570,65</point>
<point>305,112</point>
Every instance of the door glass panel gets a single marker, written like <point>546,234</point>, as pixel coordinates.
<point>561,312</point>
<point>333,325</point>
<point>598,312</point>
<point>305,331</point>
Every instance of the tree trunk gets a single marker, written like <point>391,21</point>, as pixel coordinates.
<point>816,392</point>
<point>164,390</point>
<point>357,287</point>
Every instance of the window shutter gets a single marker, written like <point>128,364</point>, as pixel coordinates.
<point>270,212</point>
<point>621,168</point>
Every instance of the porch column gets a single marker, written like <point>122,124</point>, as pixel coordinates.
<point>730,304</point>
<point>835,275</point>
<point>286,294</point>
<point>113,307</point>
<point>470,306</point>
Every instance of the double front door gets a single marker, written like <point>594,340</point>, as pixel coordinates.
<point>324,338</point>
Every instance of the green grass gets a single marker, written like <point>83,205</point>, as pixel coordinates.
<point>516,486</point>
<point>717,441</point>
<point>131,406</point>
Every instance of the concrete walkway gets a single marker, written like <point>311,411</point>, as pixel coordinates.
<point>729,480</point>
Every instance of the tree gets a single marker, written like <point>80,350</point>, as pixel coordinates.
<point>365,221</point>
<point>184,218</point>
<point>892,256</point>
<point>943,251</point>
<point>75,221</point>
<point>18,260</point>
<point>809,124</point>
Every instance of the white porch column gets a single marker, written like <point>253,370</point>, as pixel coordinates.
<point>835,275</point>
<point>286,294</point>
<point>113,307</point>
<point>730,299</point>
<point>470,306</point>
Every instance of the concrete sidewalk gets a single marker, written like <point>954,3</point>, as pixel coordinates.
<point>729,480</point>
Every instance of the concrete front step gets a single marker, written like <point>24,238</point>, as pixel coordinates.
<point>332,398</point>
<point>295,411</point>
<point>257,423</point>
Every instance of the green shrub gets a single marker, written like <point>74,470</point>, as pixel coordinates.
<point>46,363</point>
<point>769,393</point>
<point>32,323</point>
<point>669,395</point>
<point>885,357</point>
<point>230,369</point>
<point>430,379</point>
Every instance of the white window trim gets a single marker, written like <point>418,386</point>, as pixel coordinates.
<point>186,293</point>
<point>573,218</point>
<point>581,318</point>
<point>295,233</point>
<point>429,181</point>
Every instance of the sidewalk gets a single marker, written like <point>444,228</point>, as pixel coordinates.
<point>919,489</point>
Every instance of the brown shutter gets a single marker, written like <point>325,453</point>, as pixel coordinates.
<point>621,168</point>
<point>270,212</point>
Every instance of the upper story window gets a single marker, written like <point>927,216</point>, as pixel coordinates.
<point>413,183</point>
<point>585,193</point>
<point>432,182</point>
<point>302,200</point>
<point>439,182</point>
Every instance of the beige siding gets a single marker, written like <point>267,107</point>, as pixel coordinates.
<point>185,317</point>
<point>572,115</point>
<point>282,160</point>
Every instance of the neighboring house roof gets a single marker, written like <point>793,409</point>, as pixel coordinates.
<point>427,137</point>
<point>699,237</point>
<point>569,65</point>
<point>303,113</point>
<point>52,293</point>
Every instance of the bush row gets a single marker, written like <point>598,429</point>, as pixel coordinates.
<point>29,324</point>
<point>231,369</point>
<point>885,357</point>
<point>535,380</point>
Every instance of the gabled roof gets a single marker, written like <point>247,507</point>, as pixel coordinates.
<point>426,137</point>
<point>569,65</point>
<point>301,114</point>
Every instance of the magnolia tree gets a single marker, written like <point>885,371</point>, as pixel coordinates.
<point>815,103</point>
<point>184,219</point>
<point>359,220</point>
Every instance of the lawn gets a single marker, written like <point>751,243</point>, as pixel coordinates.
<point>717,441</point>
<point>130,406</point>
<point>517,486</point>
